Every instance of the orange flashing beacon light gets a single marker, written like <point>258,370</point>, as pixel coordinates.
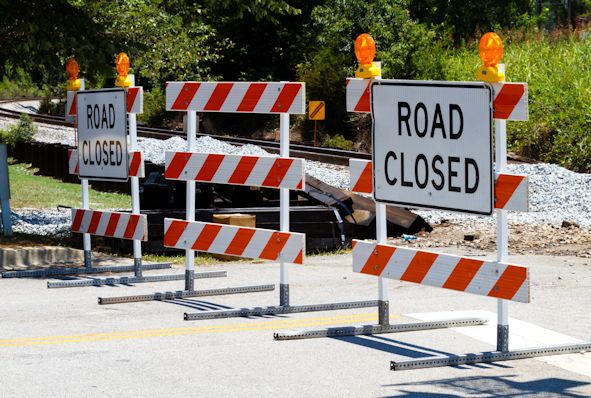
<point>490,49</point>
<point>122,63</point>
<point>365,50</point>
<point>73,83</point>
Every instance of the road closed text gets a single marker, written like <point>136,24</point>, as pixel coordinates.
<point>102,135</point>
<point>102,153</point>
<point>432,145</point>
<point>424,170</point>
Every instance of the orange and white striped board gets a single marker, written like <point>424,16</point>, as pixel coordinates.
<point>70,103</point>
<point>510,99</point>
<point>468,275</point>
<point>236,241</point>
<point>511,190</point>
<point>259,171</point>
<point>136,163</point>
<point>241,97</point>
<point>360,176</point>
<point>134,99</point>
<point>357,97</point>
<point>110,224</point>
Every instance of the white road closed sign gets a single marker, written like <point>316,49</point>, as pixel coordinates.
<point>432,145</point>
<point>102,135</point>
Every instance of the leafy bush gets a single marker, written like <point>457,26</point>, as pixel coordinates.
<point>17,83</point>
<point>336,141</point>
<point>556,68</point>
<point>404,46</point>
<point>21,132</point>
<point>50,107</point>
<point>154,108</point>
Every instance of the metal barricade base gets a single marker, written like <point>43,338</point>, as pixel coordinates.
<point>277,310</point>
<point>376,329</point>
<point>46,272</point>
<point>181,294</point>
<point>133,279</point>
<point>491,356</point>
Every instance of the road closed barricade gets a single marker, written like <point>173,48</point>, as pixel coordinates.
<point>433,149</point>
<point>283,173</point>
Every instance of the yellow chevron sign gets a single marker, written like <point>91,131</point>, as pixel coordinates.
<point>316,110</point>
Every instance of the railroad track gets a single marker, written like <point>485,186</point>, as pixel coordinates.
<point>325,155</point>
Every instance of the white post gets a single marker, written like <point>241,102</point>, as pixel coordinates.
<point>85,203</point>
<point>382,237</point>
<point>284,208</point>
<point>191,123</point>
<point>502,232</point>
<point>135,189</point>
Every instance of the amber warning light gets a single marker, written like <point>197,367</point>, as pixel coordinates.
<point>73,83</point>
<point>490,50</point>
<point>365,50</point>
<point>122,63</point>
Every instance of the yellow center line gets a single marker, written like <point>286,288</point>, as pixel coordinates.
<point>148,333</point>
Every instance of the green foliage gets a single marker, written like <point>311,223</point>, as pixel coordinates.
<point>559,95</point>
<point>404,46</point>
<point>154,108</point>
<point>23,131</point>
<point>463,20</point>
<point>336,141</point>
<point>16,83</point>
<point>38,36</point>
<point>165,40</point>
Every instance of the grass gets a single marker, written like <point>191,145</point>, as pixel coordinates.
<point>200,259</point>
<point>557,68</point>
<point>29,190</point>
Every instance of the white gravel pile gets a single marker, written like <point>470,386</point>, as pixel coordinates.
<point>41,222</point>
<point>555,195</point>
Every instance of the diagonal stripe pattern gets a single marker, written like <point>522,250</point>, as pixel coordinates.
<point>135,99</point>
<point>511,190</point>
<point>357,96</point>
<point>481,277</point>
<point>110,224</point>
<point>136,163</point>
<point>244,242</point>
<point>249,97</point>
<point>510,99</point>
<point>259,171</point>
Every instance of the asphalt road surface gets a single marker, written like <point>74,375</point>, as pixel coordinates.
<point>61,343</point>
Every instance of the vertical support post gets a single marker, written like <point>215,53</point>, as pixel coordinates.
<point>135,190</point>
<point>502,232</point>
<point>85,199</point>
<point>5,192</point>
<point>191,123</point>
<point>382,237</point>
<point>502,238</point>
<point>284,209</point>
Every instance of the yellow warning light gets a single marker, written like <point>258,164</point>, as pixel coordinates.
<point>490,49</point>
<point>365,50</point>
<point>122,63</point>
<point>73,83</point>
